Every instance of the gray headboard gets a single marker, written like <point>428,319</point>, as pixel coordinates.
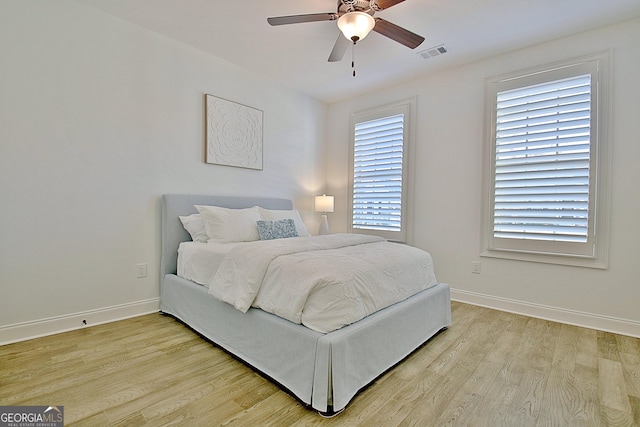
<point>173,233</point>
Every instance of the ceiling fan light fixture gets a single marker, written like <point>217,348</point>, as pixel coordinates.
<point>356,25</point>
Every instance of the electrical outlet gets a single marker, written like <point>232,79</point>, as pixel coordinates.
<point>475,267</point>
<point>142,270</point>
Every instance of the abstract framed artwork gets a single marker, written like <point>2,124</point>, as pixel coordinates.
<point>234,134</point>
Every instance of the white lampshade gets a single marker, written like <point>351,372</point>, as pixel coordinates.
<point>356,25</point>
<point>324,203</point>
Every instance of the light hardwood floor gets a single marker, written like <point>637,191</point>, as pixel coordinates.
<point>489,369</point>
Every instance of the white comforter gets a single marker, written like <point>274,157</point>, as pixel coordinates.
<point>323,282</point>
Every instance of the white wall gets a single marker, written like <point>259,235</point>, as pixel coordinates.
<point>448,186</point>
<point>98,118</point>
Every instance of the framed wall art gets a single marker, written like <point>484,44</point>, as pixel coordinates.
<point>234,134</point>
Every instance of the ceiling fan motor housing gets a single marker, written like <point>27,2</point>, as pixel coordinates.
<point>345,6</point>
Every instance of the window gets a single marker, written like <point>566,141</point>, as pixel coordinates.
<point>379,171</point>
<point>547,168</point>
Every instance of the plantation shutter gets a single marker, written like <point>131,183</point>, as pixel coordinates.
<point>377,174</point>
<point>542,161</point>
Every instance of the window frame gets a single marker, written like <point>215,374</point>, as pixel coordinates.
<point>546,251</point>
<point>406,107</point>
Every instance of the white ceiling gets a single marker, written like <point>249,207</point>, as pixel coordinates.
<point>296,55</point>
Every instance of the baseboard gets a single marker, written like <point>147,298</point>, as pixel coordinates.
<point>55,325</point>
<point>69,322</point>
<point>556,314</point>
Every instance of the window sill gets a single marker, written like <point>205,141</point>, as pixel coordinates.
<point>566,260</point>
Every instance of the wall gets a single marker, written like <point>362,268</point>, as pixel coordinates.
<point>447,187</point>
<point>99,118</point>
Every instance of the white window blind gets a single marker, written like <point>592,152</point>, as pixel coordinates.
<point>542,161</point>
<point>547,171</point>
<point>377,174</point>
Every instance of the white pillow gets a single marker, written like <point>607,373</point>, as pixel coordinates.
<point>225,225</point>
<point>275,215</point>
<point>195,227</point>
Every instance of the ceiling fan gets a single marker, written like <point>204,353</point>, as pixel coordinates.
<point>355,20</point>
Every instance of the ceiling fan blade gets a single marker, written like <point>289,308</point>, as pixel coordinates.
<point>296,19</point>
<point>386,4</point>
<point>399,34</point>
<point>339,48</point>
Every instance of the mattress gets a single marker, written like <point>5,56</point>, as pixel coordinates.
<point>322,282</point>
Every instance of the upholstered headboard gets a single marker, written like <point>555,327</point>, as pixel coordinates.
<point>173,233</point>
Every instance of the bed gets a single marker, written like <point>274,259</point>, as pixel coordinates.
<point>322,370</point>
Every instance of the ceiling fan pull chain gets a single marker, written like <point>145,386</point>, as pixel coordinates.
<point>353,58</point>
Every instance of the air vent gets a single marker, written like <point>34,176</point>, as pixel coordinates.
<point>433,51</point>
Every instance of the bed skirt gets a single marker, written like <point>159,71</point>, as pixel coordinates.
<point>324,371</point>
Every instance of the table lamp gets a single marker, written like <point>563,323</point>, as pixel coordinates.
<point>324,204</point>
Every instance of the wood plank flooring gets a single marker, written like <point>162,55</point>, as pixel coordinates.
<point>489,369</point>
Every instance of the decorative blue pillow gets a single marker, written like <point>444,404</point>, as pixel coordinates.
<point>269,230</point>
